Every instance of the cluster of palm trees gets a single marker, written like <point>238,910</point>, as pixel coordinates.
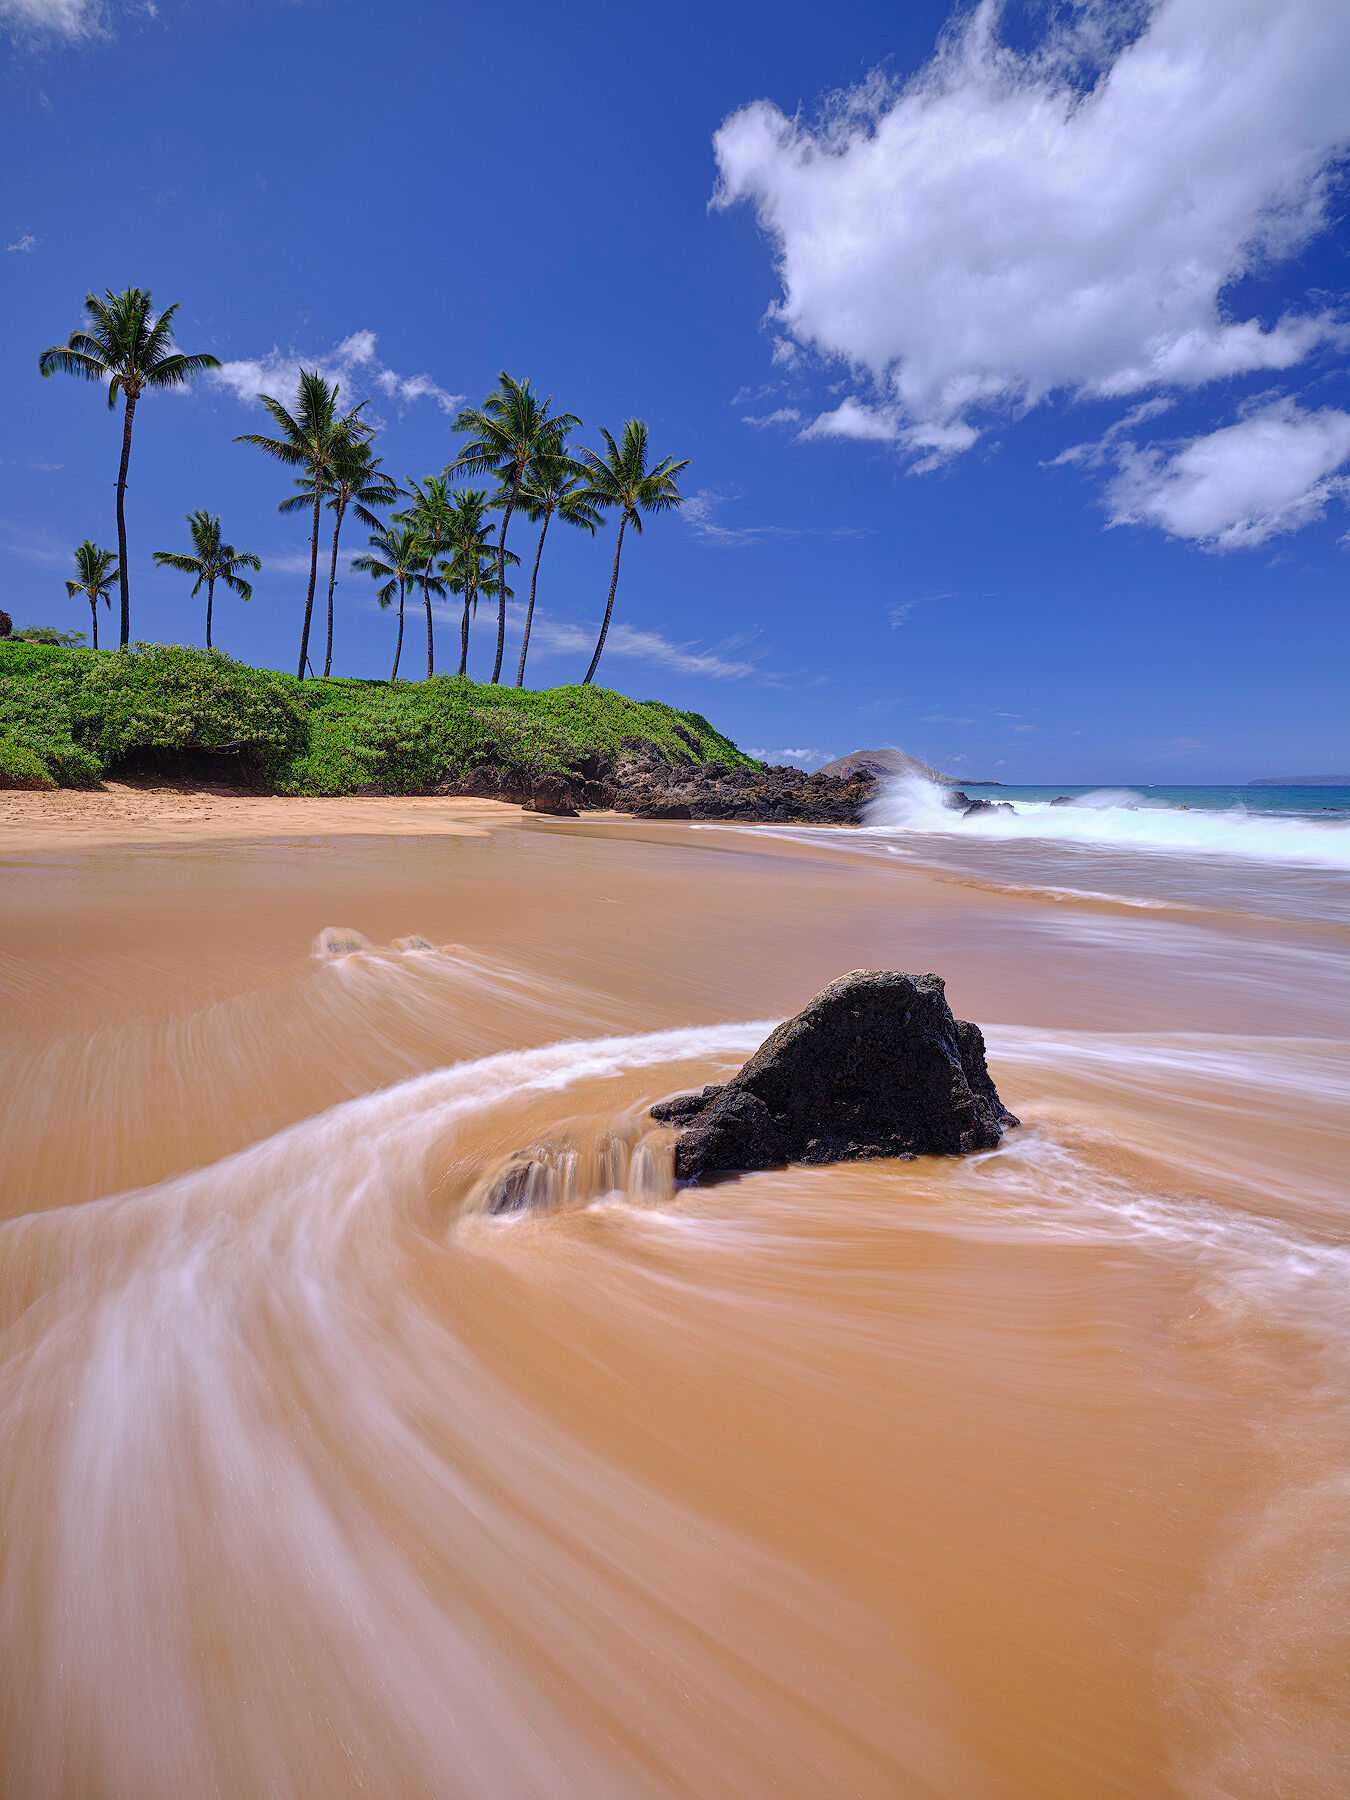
<point>436,539</point>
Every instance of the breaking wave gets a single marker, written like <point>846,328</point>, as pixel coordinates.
<point>1119,819</point>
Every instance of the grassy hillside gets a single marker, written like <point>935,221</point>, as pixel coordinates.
<point>69,716</point>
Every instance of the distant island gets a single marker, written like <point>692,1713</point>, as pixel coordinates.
<point>895,762</point>
<point>1300,781</point>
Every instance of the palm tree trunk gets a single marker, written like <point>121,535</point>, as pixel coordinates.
<point>313,574</point>
<point>332,582</point>
<point>210,595</point>
<point>398,642</point>
<point>128,416</point>
<point>529,611</point>
<point>94,605</point>
<point>426,595</point>
<point>609,605</point>
<point>464,634</point>
<point>501,574</point>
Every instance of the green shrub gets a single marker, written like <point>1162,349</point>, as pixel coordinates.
<point>21,765</point>
<point>172,697</point>
<point>81,711</point>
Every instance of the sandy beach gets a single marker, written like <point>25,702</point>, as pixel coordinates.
<point>126,813</point>
<point>999,1476</point>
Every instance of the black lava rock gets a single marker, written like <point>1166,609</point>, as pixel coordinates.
<point>552,794</point>
<point>875,1066</point>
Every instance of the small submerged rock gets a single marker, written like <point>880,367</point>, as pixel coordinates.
<point>875,1066</point>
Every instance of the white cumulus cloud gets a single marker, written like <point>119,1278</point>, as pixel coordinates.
<point>25,244</point>
<point>1070,218</point>
<point>1271,472</point>
<point>353,364</point>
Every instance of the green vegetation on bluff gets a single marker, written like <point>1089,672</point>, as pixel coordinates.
<point>69,716</point>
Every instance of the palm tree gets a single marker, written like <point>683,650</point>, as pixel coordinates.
<point>469,576</point>
<point>356,481</point>
<point>510,428</point>
<point>98,571</point>
<point>124,346</point>
<point>310,439</point>
<point>214,561</point>
<point>554,483</point>
<point>430,516</point>
<point>621,478</point>
<point>466,537</point>
<point>397,562</point>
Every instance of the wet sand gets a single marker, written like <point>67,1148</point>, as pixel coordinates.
<point>1017,1477</point>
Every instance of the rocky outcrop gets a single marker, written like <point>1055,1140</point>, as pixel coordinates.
<point>552,794</point>
<point>644,781</point>
<point>875,1066</point>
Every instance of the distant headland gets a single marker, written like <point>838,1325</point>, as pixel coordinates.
<point>895,762</point>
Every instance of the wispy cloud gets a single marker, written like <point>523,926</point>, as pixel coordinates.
<point>629,642</point>
<point>37,19</point>
<point>25,244</point>
<point>784,415</point>
<point>798,759</point>
<point>900,615</point>
<point>34,547</point>
<point>352,363</point>
<point>700,515</point>
<point>1093,454</point>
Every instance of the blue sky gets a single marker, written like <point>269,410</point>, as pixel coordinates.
<point>1009,349</point>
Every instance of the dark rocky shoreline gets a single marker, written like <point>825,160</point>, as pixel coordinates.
<point>640,781</point>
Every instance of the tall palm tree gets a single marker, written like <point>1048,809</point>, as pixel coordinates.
<point>311,438</point>
<point>124,345</point>
<point>98,571</point>
<point>510,428</point>
<point>430,516</point>
<point>355,481</point>
<point>214,561</point>
<point>621,478</point>
<point>397,562</point>
<point>554,483</point>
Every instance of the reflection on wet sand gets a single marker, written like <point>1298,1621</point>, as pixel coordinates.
<point>1021,1475</point>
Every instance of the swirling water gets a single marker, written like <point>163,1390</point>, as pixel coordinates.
<point>1023,1475</point>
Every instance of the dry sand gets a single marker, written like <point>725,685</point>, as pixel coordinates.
<point>121,813</point>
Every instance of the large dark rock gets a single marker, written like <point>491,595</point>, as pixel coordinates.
<point>875,1066</point>
<point>552,794</point>
<point>488,783</point>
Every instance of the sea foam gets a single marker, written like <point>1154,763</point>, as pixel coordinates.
<point>1118,819</point>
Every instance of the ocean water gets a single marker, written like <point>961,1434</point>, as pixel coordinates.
<point>1279,853</point>
<point>1294,802</point>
